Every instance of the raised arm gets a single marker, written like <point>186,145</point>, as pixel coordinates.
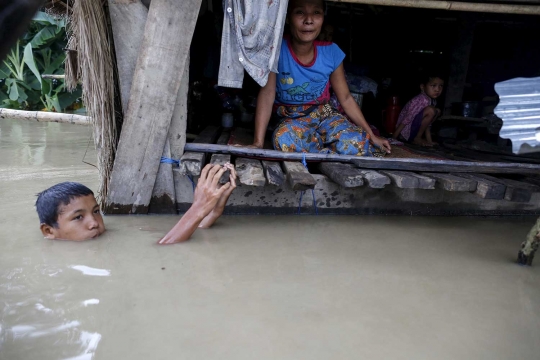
<point>340,87</point>
<point>265,101</point>
<point>206,196</point>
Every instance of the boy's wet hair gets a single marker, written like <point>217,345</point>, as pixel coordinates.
<point>49,201</point>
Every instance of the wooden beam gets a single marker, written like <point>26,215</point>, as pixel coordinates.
<point>192,163</point>
<point>298,176</point>
<point>208,135</point>
<point>424,182</point>
<point>486,189</point>
<point>422,165</point>
<point>274,174</point>
<point>454,6</point>
<point>128,20</point>
<point>250,172</point>
<point>154,90</point>
<point>459,62</point>
<point>45,116</point>
<point>515,190</point>
<point>453,183</point>
<point>177,130</point>
<point>375,179</point>
<point>530,245</point>
<point>224,137</point>
<point>345,175</point>
<point>402,179</point>
<point>163,199</point>
<point>221,159</point>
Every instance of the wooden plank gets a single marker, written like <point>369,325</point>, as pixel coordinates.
<point>192,163</point>
<point>224,137</point>
<point>485,188</point>
<point>177,130</point>
<point>298,176</point>
<point>375,179</point>
<point>221,159</point>
<point>424,182</point>
<point>250,172</point>
<point>128,20</point>
<point>515,190</point>
<point>531,180</point>
<point>208,136</point>
<point>459,61</point>
<point>154,90</point>
<point>422,165</point>
<point>345,175</point>
<point>163,199</point>
<point>402,179</point>
<point>274,174</point>
<point>453,183</point>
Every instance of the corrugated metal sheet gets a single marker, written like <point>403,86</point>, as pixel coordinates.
<point>519,108</point>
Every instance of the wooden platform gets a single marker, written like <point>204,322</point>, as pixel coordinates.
<point>284,186</point>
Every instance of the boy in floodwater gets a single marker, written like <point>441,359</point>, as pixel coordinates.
<point>69,210</point>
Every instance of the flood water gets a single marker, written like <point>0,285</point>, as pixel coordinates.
<point>252,287</point>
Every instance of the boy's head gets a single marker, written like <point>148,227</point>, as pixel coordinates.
<point>69,211</point>
<point>305,19</point>
<point>432,85</point>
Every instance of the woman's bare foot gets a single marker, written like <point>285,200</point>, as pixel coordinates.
<point>421,142</point>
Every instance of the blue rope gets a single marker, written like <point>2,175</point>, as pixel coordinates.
<point>192,182</point>
<point>166,160</point>
<point>300,202</point>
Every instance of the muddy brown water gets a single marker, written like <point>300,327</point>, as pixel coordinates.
<point>252,287</point>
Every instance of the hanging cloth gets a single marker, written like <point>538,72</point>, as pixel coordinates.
<point>251,40</point>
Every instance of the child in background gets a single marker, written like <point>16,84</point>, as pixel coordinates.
<point>69,211</point>
<point>415,119</point>
<point>300,93</point>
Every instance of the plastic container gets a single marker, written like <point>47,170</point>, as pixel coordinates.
<point>390,115</point>
<point>227,120</point>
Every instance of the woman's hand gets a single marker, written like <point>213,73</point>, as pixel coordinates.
<point>381,143</point>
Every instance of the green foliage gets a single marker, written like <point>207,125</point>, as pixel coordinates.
<point>40,51</point>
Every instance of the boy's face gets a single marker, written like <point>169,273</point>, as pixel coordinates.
<point>433,88</point>
<point>305,19</point>
<point>79,220</point>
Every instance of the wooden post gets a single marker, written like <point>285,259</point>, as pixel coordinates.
<point>530,245</point>
<point>163,197</point>
<point>155,86</point>
<point>459,62</point>
<point>128,20</point>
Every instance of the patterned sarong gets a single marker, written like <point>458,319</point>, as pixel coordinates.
<point>321,129</point>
